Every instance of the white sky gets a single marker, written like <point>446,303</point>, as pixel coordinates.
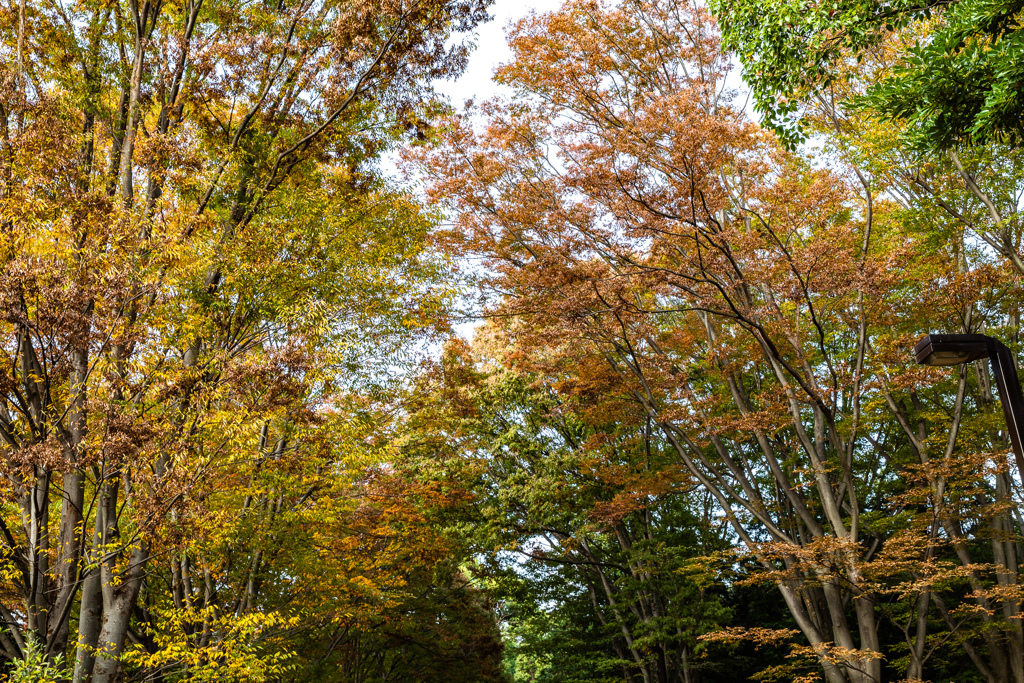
<point>491,50</point>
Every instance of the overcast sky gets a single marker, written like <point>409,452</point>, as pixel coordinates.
<point>491,50</point>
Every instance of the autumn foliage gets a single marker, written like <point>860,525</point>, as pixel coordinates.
<point>207,287</point>
<point>687,442</point>
<point>728,320</point>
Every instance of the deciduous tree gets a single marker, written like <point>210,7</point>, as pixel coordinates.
<point>198,259</point>
<point>758,310</point>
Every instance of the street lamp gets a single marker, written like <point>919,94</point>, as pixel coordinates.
<point>954,349</point>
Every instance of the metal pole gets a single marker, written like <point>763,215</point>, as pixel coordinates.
<point>1005,370</point>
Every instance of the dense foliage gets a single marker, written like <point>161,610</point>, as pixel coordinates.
<point>716,332</point>
<point>687,442</point>
<point>958,81</point>
<point>208,290</point>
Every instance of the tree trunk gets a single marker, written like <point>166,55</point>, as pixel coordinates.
<point>118,602</point>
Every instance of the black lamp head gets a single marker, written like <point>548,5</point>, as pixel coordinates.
<point>951,349</point>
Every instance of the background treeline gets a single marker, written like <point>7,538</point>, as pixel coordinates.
<point>688,444</point>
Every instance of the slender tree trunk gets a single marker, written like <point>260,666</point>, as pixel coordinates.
<point>72,531</point>
<point>118,602</point>
<point>916,668</point>
<point>91,608</point>
<point>36,508</point>
<point>833,674</point>
<point>89,615</point>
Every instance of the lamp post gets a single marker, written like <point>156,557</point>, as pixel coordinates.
<point>954,349</point>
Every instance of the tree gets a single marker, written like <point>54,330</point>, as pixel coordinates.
<point>958,83</point>
<point>337,576</point>
<point>197,258</point>
<point>943,87</point>
<point>646,244</point>
<point>587,525</point>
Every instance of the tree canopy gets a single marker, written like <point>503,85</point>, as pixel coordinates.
<point>717,323</point>
<point>953,74</point>
<point>686,442</point>
<point>208,287</point>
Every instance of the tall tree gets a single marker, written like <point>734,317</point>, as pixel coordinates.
<point>759,311</point>
<point>194,244</point>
